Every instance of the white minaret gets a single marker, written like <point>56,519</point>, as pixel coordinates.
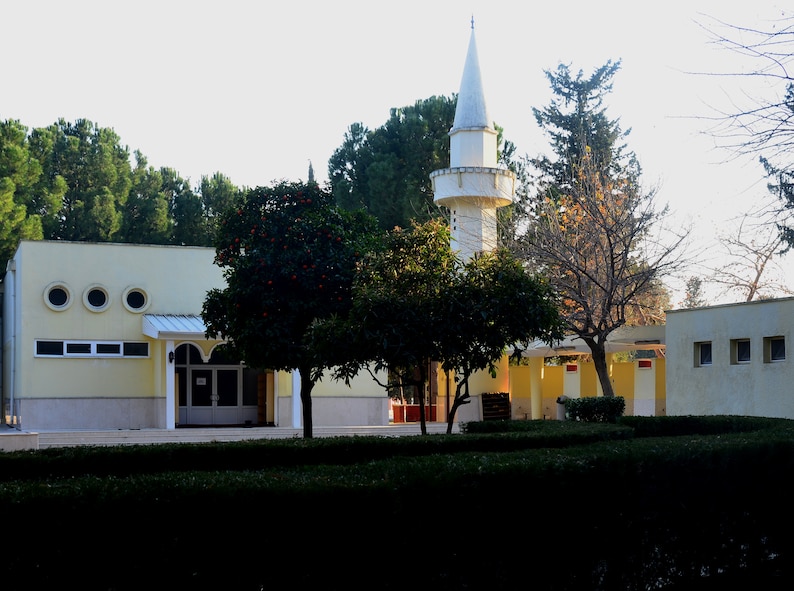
<point>473,186</point>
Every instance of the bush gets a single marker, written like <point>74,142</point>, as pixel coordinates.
<point>595,409</point>
<point>695,511</point>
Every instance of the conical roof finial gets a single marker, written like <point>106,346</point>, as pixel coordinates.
<point>471,111</point>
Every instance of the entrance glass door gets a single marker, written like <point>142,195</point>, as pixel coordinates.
<point>214,396</point>
<point>227,396</point>
<point>218,390</point>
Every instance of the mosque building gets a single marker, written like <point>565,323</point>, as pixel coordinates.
<point>109,336</point>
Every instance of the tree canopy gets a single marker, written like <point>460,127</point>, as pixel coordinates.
<point>590,222</point>
<point>415,302</point>
<point>289,257</point>
<point>386,171</point>
<point>493,304</point>
<point>397,312</point>
<point>77,181</point>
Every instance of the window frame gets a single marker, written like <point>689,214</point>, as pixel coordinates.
<point>769,349</point>
<point>93,349</point>
<point>699,349</point>
<point>738,354</point>
<point>87,297</point>
<point>61,285</point>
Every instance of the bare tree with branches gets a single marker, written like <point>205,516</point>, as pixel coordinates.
<point>757,125</point>
<point>592,229</point>
<point>596,244</point>
<point>751,251</point>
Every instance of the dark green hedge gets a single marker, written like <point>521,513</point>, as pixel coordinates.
<point>622,513</point>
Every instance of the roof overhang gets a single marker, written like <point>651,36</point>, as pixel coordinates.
<point>175,327</point>
<point>625,338</point>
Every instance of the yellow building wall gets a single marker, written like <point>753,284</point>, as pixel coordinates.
<point>623,383</point>
<point>552,379</point>
<point>114,267</point>
<point>521,391</point>
<point>481,382</point>
<point>589,380</point>
<point>552,388</point>
<point>361,386</point>
<point>623,379</point>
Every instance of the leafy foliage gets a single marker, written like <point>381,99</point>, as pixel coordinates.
<point>289,256</point>
<point>672,514</point>
<point>75,181</point>
<point>590,224</point>
<point>387,171</point>
<point>415,302</point>
<point>398,312</point>
<point>595,409</point>
<point>493,304</point>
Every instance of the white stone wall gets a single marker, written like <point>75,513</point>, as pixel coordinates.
<point>756,388</point>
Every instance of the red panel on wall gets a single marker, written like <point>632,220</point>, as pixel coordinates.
<point>571,367</point>
<point>645,364</point>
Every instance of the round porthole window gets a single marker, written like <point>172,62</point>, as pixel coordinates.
<point>96,298</point>
<point>135,299</point>
<point>57,296</point>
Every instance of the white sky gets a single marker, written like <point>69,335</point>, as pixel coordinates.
<point>255,90</point>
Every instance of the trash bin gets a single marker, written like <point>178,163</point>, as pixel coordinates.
<point>561,400</point>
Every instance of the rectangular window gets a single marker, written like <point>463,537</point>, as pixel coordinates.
<point>774,349</point>
<point>740,351</point>
<point>108,349</point>
<point>91,349</point>
<point>136,349</point>
<point>49,348</point>
<point>82,349</point>
<point>702,353</point>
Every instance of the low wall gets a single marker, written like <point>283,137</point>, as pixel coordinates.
<point>11,440</point>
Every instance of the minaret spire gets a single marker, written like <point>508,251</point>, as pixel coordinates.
<point>473,187</point>
<point>471,110</point>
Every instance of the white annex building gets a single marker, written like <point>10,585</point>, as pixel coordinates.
<point>731,359</point>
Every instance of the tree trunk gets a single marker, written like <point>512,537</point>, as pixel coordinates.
<point>461,398</point>
<point>307,385</point>
<point>600,361</point>
<point>421,379</point>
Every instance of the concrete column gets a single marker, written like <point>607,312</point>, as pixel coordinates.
<point>297,407</point>
<point>535,386</point>
<point>571,380</point>
<point>170,390</point>
<point>645,387</point>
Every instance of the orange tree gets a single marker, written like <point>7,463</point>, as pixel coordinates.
<point>289,257</point>
<point>398,310</point>
<point>415,302</point>
<point>493,304</point>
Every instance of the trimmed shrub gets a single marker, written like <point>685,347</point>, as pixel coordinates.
<point>595,409</point>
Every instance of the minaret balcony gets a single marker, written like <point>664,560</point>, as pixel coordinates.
<point>485,186</point>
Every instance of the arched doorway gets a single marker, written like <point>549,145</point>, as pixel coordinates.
<point>220,391</point>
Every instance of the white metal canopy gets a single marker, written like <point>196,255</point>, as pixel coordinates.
<point>170,327</point>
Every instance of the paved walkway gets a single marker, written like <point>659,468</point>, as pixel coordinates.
<point>47,439</point>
